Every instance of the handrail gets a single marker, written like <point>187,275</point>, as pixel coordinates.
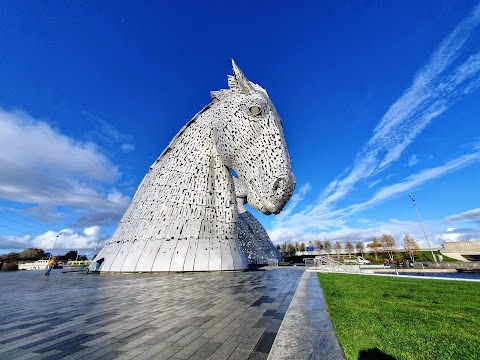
<point>460,265</point>
<point>327,264</point>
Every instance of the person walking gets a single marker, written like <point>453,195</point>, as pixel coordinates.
<point>50,265</point>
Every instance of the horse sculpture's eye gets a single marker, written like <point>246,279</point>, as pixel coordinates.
<point>255,110</point>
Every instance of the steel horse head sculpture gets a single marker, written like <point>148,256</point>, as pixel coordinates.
<point>183,215</point>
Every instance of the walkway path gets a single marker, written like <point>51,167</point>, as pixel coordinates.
<point>228,315</point>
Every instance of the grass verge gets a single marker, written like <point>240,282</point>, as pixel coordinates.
<point>375,317</point>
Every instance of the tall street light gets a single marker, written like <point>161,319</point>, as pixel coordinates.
<point>424,233</point>
<point>55,243</point>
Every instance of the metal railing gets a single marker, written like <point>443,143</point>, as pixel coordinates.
<point>460,265</point>
<point>272,262</point>
<point>324,263</point>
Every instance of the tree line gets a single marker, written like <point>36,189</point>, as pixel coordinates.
<point>383,245</point>
<point>10,261</point>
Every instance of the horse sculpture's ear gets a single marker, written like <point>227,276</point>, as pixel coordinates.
<point>238,82</point>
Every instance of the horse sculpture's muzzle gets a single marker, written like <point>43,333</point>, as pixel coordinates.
<point>274,197</point>
<point>280,193</point>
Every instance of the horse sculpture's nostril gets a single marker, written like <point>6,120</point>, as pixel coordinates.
<point>279,187</point>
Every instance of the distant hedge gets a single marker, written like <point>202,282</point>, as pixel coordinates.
<point>9,266</point>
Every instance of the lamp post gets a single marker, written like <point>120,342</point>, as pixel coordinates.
<point>421,224</point>
<point>56,238</point>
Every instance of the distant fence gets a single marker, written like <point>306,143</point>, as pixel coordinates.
<point>272,262</point>
<point>460,265</point>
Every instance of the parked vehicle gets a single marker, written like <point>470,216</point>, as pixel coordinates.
<point>359,261</point>
<point>35,265</point>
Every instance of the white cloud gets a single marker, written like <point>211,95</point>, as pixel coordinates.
<point>396,227</point>
<point>412,160</point>
<point>472,216</point>
<point>42,167</point>
<point>460,234</point>
<point>127,148</point>
<point>118,198</point>
<point>35,144</point>
<point>67,240</point>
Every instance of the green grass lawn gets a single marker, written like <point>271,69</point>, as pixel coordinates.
<point>404,318</point>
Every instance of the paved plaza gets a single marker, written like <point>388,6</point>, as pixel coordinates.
<point>211,315</point>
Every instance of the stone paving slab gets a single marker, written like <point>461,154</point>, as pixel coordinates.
<point>212,315</point>
<point>307,331</point>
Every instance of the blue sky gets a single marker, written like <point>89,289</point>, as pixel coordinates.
<point>378,99</point>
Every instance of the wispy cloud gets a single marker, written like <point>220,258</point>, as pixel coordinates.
<point>472,216</point>
<point>314,219</point>
<point>295,199</point>
<point>440,83</point>
<point>446,77</point>
<point>412,160</point>
<point>127,148</point>
<point>104,132</point>
<point>414,181</point>
<point>372,184</point>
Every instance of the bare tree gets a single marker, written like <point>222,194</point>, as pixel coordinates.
<point>411,246</point>
<point>388,242</point>
<point>375,245</point>
<point>338,247</point>
<point>349,247</point>
<point>360,247</point>
<point>318,245</point>
<point>327,246</point>
<point>284,247</point>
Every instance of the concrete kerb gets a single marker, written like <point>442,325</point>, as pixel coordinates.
<point>306,331</point>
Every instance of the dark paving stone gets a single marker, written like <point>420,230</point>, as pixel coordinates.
<point>269,312</point>
<point>265,343</point>
<point>67,351</point>
<point>258,356</point>
<point>74,339</point>
<point>263,322</point>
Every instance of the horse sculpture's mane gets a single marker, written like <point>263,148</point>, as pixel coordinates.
<point>215,95</point>
<point>179,133</point>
